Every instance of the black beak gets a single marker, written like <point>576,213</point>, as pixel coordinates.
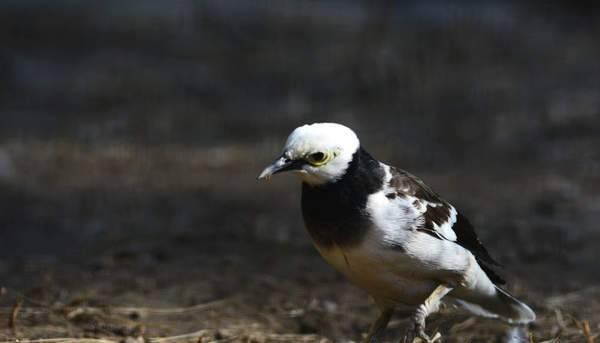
<point>283,164</point>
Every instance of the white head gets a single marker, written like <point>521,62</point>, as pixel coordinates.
<point>318,153</point>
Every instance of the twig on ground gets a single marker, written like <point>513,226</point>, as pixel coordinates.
<point>289,337</point>
<point>587,332</point>
<point>223,340</point>
<point>195,334</point>
<point>167,311</point>
<point>560,319</point>
<point>72,311</point>
<point>14,313</point>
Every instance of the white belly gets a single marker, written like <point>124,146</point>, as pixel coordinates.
<point>387,283</point>
<point>408,274</point>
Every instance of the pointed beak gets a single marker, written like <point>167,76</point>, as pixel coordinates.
<point>281,165</point>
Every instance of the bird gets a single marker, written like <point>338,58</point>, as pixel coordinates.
<point>391,234</point>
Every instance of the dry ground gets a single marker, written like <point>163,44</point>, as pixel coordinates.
<point>255,293</point>
<point>131,133</point>
<point>157,280</point>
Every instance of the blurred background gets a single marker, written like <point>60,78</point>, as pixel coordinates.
<point>132,132</point>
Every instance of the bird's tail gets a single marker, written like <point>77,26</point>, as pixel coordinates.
<point>500,305</point>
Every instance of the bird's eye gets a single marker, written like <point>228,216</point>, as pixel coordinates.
<point>317,158</point>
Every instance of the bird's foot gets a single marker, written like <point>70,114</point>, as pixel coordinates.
<point>416,334</point>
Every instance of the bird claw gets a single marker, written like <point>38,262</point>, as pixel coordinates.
<point>416,334</point>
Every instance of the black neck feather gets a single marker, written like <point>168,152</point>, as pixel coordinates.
<point>334,213</point>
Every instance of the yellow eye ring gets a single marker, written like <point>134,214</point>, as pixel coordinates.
<point>318,158</point>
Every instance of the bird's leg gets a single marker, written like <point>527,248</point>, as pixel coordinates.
<point>429,306</point>
<point>379,325</point>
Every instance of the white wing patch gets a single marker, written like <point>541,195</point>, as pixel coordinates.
<point>394,211</point>
<point>394,218</point>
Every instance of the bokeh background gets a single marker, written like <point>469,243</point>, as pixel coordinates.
<point>132,132</point>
